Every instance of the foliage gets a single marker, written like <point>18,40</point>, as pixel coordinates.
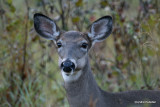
<point>129,59</point>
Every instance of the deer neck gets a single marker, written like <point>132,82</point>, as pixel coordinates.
<point>81,91</point>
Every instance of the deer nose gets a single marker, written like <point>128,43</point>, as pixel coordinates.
<point>67,66</point>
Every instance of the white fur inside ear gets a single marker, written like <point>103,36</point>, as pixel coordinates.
<point>99,30</point>
<point>103,29</point>
<point>90,35</point>
<point>93,38</point>
<point>55,32</point>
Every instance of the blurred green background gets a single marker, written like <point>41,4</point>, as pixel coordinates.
<point>128,60</point>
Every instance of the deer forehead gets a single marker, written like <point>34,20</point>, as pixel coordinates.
<point>73,36</point>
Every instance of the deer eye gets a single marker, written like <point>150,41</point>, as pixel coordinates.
<point>59,44</point>
<point>84,45</point>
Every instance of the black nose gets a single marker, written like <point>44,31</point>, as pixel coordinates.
<point>67,66</point>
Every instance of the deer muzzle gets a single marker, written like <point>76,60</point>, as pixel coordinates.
<point>67,66</point>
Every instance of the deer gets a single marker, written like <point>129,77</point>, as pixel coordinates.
<point>79,83</point>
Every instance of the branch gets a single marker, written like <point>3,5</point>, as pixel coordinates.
<point>62,14</point>
<point>23,76</point>
<point>43,4</point>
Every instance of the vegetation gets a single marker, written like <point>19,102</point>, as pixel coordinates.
<point>128,60</point>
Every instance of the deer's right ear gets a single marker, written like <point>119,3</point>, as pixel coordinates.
<point>46,27</point>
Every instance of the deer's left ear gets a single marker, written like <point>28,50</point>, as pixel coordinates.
<point>100,29</point>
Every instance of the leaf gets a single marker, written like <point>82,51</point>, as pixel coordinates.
<point>12,26</point>
<point>151,52</point>
<point>12,9</point>
<point>116,70</point>
<point>86,20</point>
<point>79,3</point>
<point>9,2</point>
<point>119,57</point>
<point>125,65</point>
<point>115,73</point>
<point>145,27</point>
<point>75,19</point>
<point>11,6</point>
<point>133,78</point>
<point>103,4</point>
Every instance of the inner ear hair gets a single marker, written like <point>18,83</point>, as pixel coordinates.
<point>100,29</point>
<point>46,27</point>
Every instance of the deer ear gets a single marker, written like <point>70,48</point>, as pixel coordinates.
<point>100,29</point>
<point>46,27</point>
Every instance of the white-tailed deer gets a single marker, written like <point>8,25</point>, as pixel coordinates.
<point>80,85</point>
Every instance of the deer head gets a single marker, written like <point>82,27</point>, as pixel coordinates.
<point>73,46</point>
